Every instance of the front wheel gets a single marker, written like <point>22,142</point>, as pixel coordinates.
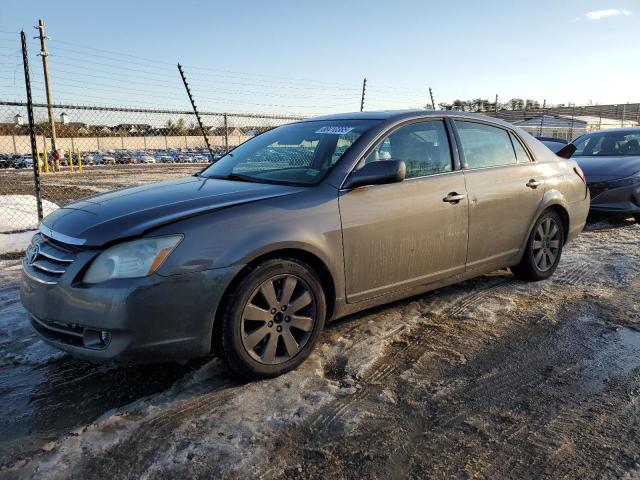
<point>273,319</point>
<point>543,250</point>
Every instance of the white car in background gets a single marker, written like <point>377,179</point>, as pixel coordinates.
<point>147,159</point>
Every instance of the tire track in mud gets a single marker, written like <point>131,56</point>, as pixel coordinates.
<point>403,358</point>
<point>147,439</point>
<point>551,432</point>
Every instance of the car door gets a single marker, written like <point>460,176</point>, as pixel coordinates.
<point>413,232</point>
<point>505,187</point>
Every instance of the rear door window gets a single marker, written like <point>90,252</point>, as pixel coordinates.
<point>484,145</point>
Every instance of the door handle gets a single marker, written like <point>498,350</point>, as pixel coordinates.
<point>454,197</point>
<point>533,183</point>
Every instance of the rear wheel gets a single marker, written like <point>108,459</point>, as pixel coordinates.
<point>273,319</point>
<point>543,250</point>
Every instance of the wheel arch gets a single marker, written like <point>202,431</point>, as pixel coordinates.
<point>554,202</point>
<point>314,261</point>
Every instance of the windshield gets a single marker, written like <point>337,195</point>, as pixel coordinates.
<point>607,144</point>
<point>296,154</point>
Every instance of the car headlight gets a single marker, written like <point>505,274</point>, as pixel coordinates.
<point>134,259</point>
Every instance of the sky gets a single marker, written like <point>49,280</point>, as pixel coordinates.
<point>304,57</point>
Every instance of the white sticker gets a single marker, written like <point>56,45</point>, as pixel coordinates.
<point>335,130</point>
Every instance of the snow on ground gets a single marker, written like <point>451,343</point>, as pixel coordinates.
<point>20,212</point>
<point>15,242</point>
<point>462,380</point>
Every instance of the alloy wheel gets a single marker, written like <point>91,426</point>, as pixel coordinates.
<point>546,244</point>
<point>278,319</point>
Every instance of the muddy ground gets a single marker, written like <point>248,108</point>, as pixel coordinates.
<point>492,378</point>
<point>63,187</point>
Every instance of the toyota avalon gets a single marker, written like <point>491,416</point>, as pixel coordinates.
<point>301,225</point>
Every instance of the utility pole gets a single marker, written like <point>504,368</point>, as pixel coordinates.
<point>496,104</point>
<point>364,89</point>
<point>45,66</point>
<point>433,103</point>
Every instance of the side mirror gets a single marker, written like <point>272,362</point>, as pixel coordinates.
<point>377,173</point>
<point>566,151</point>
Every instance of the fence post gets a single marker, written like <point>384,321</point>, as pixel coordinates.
<point>79,162</point>
<point>32,131</point>
<point>98,142</point>
<point>226,134</point>
<point>573,116</point>
<point>15,148</point>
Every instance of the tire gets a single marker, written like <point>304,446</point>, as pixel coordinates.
<point>544,248</point>
<point>272,320</point>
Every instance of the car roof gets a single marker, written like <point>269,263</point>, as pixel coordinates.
<point>616,130</point>
<point>394,115</point>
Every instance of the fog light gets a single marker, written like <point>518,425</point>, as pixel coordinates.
<point>105,338</point>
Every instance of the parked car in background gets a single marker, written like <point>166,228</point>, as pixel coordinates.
<point>610,160</point>
<point>554,144</point>
<point>166,159</point>
<point>25,161</point>
<point>184,159</point>
<point>146,159</point>
<point>201,159</point>
<point>125,160</point>
<point>108,160</point>
<point>252,255</point>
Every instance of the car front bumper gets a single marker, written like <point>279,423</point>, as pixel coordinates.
<point>149,320</point>
<point>624,199</point>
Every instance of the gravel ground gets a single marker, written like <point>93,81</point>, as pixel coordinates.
<point>491,378</point>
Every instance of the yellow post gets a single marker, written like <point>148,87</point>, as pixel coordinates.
<point>71,160</point>
<point>79,162</point>
<point>46,160</point>
<point>38,160</point>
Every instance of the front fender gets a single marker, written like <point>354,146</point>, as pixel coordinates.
<point>308,221</point>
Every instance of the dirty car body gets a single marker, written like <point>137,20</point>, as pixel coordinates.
<point>463,200</point>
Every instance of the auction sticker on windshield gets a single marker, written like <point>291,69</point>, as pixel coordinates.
<point>334,130</point>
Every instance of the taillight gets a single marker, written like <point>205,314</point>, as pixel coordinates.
<point>580,173</point>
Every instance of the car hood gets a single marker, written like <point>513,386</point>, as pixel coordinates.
<point>124,213</point>
<point>602,169</point>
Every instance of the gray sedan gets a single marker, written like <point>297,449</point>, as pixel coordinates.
<point>610,160</point>
<point>303,224</point>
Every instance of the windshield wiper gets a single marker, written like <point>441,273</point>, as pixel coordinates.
<point>239,177</point>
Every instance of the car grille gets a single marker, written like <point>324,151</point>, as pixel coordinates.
<point>46,260</point>
<point>596,189</point>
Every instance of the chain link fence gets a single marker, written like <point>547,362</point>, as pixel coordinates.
<point>97,149</point>
<point>570,122</point>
